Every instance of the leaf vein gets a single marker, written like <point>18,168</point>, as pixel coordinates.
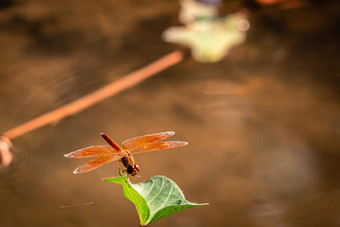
<point>160,189</point>
<point>167,198</point>
<point>146,195</point>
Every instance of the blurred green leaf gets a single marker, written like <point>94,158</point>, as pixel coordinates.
<point>155,198</point>
<point>192,10</point>
<point>211,39</point>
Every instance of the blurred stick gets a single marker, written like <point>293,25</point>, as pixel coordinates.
<point>97,96</point>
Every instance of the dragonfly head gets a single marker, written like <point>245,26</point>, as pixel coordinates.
<point>133,169</point>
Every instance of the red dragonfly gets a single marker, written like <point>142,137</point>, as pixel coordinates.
<point>123,153</point>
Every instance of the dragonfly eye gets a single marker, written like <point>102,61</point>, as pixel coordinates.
<point>133,169</point>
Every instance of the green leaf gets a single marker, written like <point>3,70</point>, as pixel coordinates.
<point>155,198</point>
<point>131,194</point>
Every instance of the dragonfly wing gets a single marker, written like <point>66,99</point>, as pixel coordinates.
<point>141,141</point>
<point>95,163</point>
<point>100,150</point>
<point>159,146</point>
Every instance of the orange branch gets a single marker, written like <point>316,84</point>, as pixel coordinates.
<point>97,96</point>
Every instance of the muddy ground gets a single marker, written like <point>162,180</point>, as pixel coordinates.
<point>263,124</point>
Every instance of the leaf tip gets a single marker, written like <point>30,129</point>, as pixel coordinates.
<point>117,180</point>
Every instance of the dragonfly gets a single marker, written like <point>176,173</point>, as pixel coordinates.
<point>112,152</point>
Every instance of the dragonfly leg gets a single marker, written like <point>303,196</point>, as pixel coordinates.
<point>119,171</point>
<point>127,179</point>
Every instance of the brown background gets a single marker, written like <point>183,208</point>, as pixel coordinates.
<point>262,125</point>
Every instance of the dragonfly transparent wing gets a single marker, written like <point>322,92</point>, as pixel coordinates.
<point>97,162</point>
<point>159,146</point>
<point>141,141</point>
<point>101,150</point>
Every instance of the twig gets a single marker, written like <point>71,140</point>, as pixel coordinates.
<point>97,96</point>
